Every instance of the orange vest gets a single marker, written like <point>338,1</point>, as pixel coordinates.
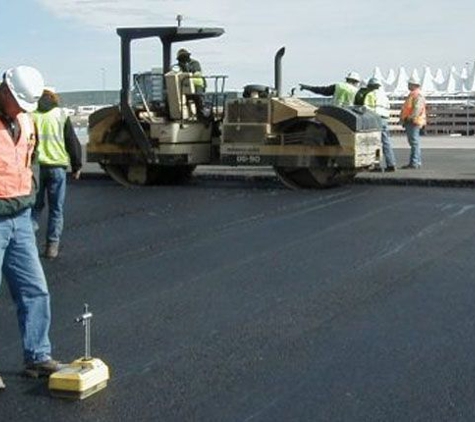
<point>408,108</point>
<point>15,159</point>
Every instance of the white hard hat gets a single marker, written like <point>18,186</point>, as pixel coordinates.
<point>354,76</point>
<point>26,85</point>
<point>414,80</point>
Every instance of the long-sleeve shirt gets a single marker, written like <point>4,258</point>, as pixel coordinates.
<point>73,146</point>
<point>71,141</point>
<point>327,91</point>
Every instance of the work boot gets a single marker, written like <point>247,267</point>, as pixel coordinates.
<point>52,250</point>
<point>42,369</point>
<point>2,384</point>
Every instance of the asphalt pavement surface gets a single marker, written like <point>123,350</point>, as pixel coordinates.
<point>228,300</point>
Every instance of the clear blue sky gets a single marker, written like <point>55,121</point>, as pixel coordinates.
<point>74,44</point>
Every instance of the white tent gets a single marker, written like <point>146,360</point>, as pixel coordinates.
<point>400,84</point>
<point>427,81</point>
<point>378,74</point>
<point>454,82</point>
<point>415,75</point>
<point>470,82</point>
<point>391,77</point>
<point>439,77</point>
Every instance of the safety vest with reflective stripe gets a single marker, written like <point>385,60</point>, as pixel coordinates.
<point>15,159</point>
<point>193,66</point>
<point>344,94</point>
<point>198,81</point>
<point>378,101</point>
<point>51,145</point>
<point>414,108</point>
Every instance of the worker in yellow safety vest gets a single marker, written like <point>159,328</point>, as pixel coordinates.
<point>58,148</point>
<point>343,92</point>
<point>377,101</point>
<point>413,118</point>
<point>189,65</point>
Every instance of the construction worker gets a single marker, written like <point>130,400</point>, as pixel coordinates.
<point>413,118</point>
<point>58,148</point>
<point>377,101</point>
<point>20,89</point>
<point>361,94</point>
<point>343,92</point>
<point>189,65</point>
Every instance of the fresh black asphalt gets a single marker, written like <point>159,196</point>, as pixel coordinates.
<point>245,301</point>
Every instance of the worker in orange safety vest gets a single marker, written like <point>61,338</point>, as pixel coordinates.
<point>20,89</point>
<point>413,118</point>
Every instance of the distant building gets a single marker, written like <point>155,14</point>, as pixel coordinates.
<point>450,97</point>
<point>76,99</point>
<point>433,83</point>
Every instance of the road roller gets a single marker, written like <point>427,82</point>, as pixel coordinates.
<point>163,128</point>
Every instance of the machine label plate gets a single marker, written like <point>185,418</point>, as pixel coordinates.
<point>248,159</point>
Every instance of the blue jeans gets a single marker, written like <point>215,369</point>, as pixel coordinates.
<point>22,270</point>
<point>413,133</point>
<point>52,185</point>
<point>387,144</point>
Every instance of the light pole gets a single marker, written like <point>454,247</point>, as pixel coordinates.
<point>468,116</point>
<point>468,98</point>
<point>103,74</point>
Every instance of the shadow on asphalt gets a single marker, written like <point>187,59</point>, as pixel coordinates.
<point>98,180</point>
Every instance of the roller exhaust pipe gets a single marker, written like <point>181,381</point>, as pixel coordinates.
<point>278,71</point>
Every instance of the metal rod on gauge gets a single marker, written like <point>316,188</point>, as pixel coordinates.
<point>87,339</point>
<point>85,318</point>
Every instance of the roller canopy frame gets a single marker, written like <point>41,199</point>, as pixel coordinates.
<point>168,35</point>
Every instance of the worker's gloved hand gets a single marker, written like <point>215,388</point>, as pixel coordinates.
<point>76,175</point>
